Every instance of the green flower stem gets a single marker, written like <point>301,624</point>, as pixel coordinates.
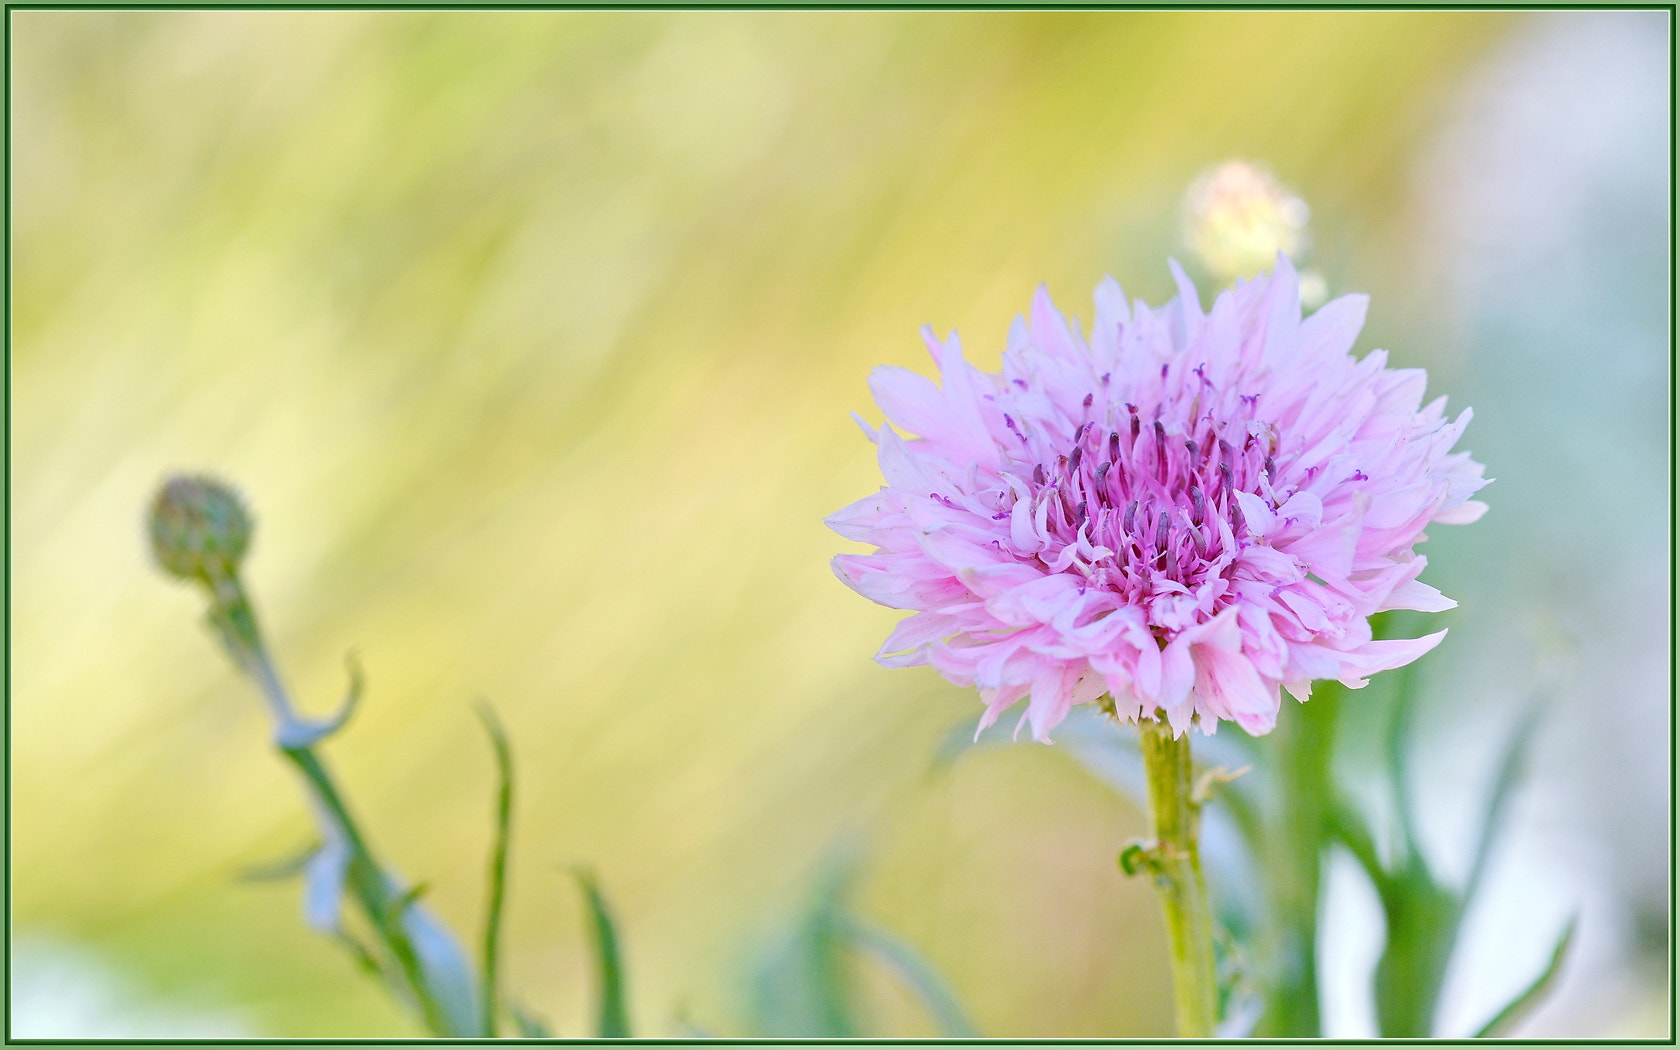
<point>1177,869</point>
<point>390,910</point>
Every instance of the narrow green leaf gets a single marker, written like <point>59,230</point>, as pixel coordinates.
<point>527,1026</point>
<point>1348,827</point>
<point>360,953</point>
<point>404,902</point>
<point>801,982</point>
<point>496,888</point>
<point>1511,765</point>
<point>614,1015</point>
<point>1422,920</point>
<point>1520,1007</point>
<point>1399,735</point>
<point>284,868</point>
<point>918,974</point>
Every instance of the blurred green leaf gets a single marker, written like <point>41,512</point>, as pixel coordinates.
<point>946,1010</point>
<point>1520,1007</point>
<point>1422,920</point>
<point>364,958</point>
<point>284,868</point>
<point>800,986</point>
<point>1289,846</point>
<point>1399,733</point>
<point>497,883</point>
<point>1512,763</point>
<point>613,1015</point>
<point>527,1026</point>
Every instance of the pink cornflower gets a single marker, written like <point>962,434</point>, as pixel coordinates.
<point>1184,512</point>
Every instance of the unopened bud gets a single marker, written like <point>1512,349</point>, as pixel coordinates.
<point>199,529</point>
<point>1237,219</point>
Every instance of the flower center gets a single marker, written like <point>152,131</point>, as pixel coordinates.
<point>1148,509</point>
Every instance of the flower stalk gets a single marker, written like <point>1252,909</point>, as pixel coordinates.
<point>1174,861</point>
<point>200,532</point>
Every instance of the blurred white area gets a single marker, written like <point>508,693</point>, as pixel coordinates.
<point>1349,944</point>
<point>1543,210</point>
<point>60,991</point>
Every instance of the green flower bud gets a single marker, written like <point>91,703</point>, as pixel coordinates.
<point>199,529</point>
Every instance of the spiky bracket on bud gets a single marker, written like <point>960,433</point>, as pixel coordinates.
<point>199,529</point>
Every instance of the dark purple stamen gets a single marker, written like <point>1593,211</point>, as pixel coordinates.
<point>1198,506</point>
<point>1088,399</point>
<point>1161,529</point>
<point>1038,473</point>
<point>1130,518</point>
<point>1073,460</point>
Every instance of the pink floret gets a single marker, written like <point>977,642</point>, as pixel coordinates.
<point>1186,512</point>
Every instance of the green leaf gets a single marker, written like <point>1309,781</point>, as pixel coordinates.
<point>801,986</point>
<point>359,952</point>
<point>527,1026</point>
<point>1422,919</point>
<point>614,1016</point>
<point>407,900</point>
<point>284,868</point>
<point>294,732</point>
<point>1511,765</point>
<point>918,974</point>
<point>1520,1007</point>
<point>496,889</point>
<point>1399,734</point>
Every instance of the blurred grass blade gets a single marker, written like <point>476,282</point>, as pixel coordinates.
<point>801,986</point>
<point>1399,734</point>
<point>497,883</point>
<point>1511,766</point>
<point>1520,1007</point>
<point>1347,826</point>
<point>952,1019</point>
<point>613,1019</point>
<point>365,959</point>
<point>284,868</point>
<point>527,1026</point>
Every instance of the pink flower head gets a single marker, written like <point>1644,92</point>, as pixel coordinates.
<point>1184,512</point>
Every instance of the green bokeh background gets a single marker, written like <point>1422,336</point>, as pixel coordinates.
<point>531,338</point>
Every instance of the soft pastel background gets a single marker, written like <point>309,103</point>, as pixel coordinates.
<point>532,337</point>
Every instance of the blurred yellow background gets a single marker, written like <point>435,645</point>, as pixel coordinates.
<point>531,338</point>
